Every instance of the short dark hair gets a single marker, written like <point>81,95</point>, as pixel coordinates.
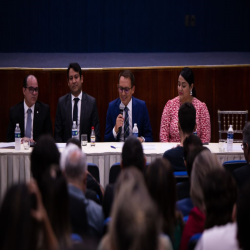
<point>132,154</point>
<point>220,195</point>
<point>127,74</point>
<point>190,143</point>
<point>243,218</point>
<point>188,75</point>
<point>76,67</point>
<point>246,133</point>
<point>187,117</point>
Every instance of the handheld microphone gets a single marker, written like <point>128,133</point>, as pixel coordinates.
<point>120,128</point>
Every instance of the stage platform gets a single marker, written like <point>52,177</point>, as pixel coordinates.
<point>122,60</point>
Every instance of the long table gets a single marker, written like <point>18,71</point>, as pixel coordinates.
<point>15,165</point>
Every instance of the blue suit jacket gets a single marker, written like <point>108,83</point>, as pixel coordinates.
<point>139,116</point>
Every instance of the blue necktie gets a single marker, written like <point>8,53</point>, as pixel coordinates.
<point>75,111</point>
<point>126,124</point>
<point>28,124</point>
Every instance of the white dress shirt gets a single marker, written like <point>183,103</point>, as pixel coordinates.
<point>79,107</point>
<point>26,116</point>
<point>122,106</point>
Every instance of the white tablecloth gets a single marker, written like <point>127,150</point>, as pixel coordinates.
<point>15,165</point>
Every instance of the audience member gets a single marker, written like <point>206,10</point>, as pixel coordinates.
<point>74,167</point>
<point>45,169</point>
<point>32,116</point>
<point>243,218</point>
<point>190,144</point>
<point>132,155</point>
<point>242,174</point>
<point>44,154</point>
<point>169,121</point>
<point>135,220</point>
<point>161,186</point>
<point>24,220</point>
<point>76,106</point>
<point>220,195</point>
<point>186,126</point>
<point>94,190</point>
<point>120,126</point>
<point>204,162</point>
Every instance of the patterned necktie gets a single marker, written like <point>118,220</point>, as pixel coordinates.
<point>75,111</point>
<point>28,124</point>
<point>126,124</point>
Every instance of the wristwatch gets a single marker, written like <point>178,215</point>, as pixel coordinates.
<point>143,139</point>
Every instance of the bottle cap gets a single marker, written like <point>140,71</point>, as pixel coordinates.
<point>92,127</point>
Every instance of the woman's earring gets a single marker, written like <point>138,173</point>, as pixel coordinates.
<point>191,93</point>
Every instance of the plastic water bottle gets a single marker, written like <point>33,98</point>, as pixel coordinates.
<point>75,131</point>
<point>17,137</point>
<point>135,130</point>
<point>230,138</point>
<point>92,137</point>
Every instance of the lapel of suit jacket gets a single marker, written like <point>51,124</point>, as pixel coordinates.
<point>117,109</point>
<point>21,114</point>
<point>83,111</point>
<point>36,120</point>
<point>68,115</point>
<point>134,111</point>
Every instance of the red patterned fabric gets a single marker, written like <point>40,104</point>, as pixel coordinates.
<point>169,121</point>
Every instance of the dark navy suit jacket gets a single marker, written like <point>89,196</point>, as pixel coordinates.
<point>139,115</point>
<point>41,125</point>
<point>89,117</point>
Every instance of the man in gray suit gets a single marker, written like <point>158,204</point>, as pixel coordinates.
<point>76,106</point>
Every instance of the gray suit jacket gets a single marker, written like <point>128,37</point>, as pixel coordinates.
<point>89,117</point>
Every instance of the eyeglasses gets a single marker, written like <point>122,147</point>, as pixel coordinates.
<point>126,90</point>
<point>31,89</point>
<point>243,145</point>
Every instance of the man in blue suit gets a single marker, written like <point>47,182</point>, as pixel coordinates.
<point>125,111</point>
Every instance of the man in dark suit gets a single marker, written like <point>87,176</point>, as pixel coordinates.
<point>33,116</point>
<point>76,106</point>
<point>125,111</point>
<point>242,174</point>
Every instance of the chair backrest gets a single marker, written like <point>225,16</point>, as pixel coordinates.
<point>193,241</point>
<point>94,170</point>
<point>232,165</point>
<point>114,172</point>
<point>180,176</point>
<point>236,118</point>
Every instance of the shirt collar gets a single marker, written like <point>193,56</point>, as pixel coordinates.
<point>73,97</point>
<point>129,105</point>
<point>26,107</point>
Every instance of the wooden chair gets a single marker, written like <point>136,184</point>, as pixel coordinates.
<point>236,118</point>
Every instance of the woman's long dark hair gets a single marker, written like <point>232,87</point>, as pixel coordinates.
<point>18,229</point>
<point>162,188</point>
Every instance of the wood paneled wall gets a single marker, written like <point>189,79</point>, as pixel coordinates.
<point>224,88</point>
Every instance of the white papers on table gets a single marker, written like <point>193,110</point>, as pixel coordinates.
<point>148,146</point>
<point>7,144</point>
<point>237,148</point>
<point>61,145</point>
